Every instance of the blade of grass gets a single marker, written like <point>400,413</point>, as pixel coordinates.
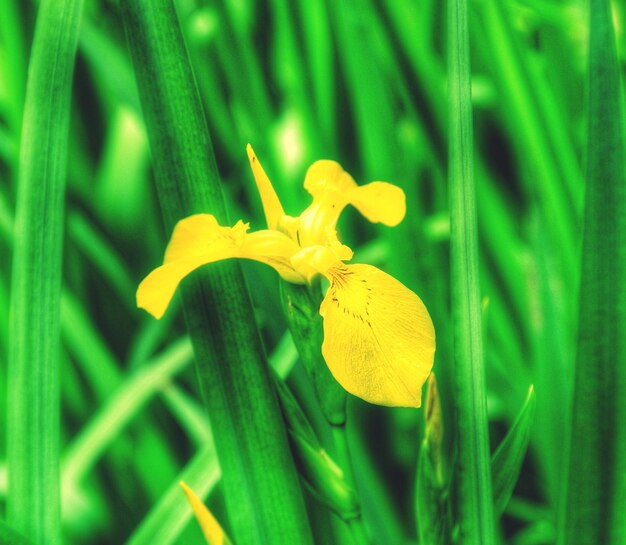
<point>507,460</point>
<point>168,518</point>
<point>8,536</point>
<point>33,502</point>
<point>121,408</point>
<point>101,253</point>
<point>14,60</point>
<point>553,354</point>
<point>262,492</point>
<point>535,125</point>
<point>476,518</point>
<point>595,501</point>
<point>319,50</point>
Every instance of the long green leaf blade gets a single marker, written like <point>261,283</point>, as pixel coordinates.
<point>8,536</point>
<point>263,495</point>
<point>476,518</point>
<point>595,501</point>
<point>507,460</point>
<point>33,503</point>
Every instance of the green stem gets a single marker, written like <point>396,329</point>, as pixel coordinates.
<point>594,503</point>
<point>33,502</point>
<point>476,519</point>
<point>340,437</point>
<point>262,492</point>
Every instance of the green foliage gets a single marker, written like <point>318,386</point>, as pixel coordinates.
<point>595,499</point>
<point>33,405</point>
<point>504,124</point>
<point>476,524</point>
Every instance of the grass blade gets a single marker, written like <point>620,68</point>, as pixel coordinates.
<point>263,495</point>
<point>9,537</point>
<point>506,462</point>
<point>595,499</point>
<point>33,502</point>
<point>476,518</point>
<point>122,408</point>
<point>171,514</point>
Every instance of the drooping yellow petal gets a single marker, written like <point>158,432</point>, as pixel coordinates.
<point>271,204</point>
<point>198,240</point>
<point>213,532</point>
<point>379,340</point>
<point>379,202</point>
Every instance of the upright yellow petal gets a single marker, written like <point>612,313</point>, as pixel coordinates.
<point>333,189</point>
<point>379,202</point>
<point>198,240</point>
<point>325,175</point>
<point>213,532</point>
<point>329,185</point>
<point>379,340</point>
<point>271,204</point>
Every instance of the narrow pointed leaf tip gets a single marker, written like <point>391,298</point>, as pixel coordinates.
<point>213,532</point>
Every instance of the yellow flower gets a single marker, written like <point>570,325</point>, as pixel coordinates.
<point>379,340</point>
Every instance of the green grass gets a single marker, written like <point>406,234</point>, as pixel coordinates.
<point>502,120</point>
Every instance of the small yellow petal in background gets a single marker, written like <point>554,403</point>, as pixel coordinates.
<point>199,240</point>
<point>213,532</point>
<point>379,340</point>
<point>379,202</point>
<point>271,203</point>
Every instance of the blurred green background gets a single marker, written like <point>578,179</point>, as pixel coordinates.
<point>362,82</point>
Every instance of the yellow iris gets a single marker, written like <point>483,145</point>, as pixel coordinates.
<point>379,340</point>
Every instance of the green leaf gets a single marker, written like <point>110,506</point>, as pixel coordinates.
<point>506,462</point>
<point>263,496</point>
<point>431,502</point>
<point>8,536</point>
<point>124,405</point>
<point>33,407</point>
<point>476,519</point>
<point>301,306</point>
<point>595,502</point>
<point>168,518</point>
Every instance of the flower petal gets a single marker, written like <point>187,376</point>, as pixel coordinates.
<point>329,184</point>
<point>198,240</point>
<point>271,204</point>
<point>324,175</point>
<point>318,258</point>
<point>333,189</point>
<point>379,340</point>
<point>379,202</point>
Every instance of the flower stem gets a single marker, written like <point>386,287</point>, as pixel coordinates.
<point>340,438</point>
